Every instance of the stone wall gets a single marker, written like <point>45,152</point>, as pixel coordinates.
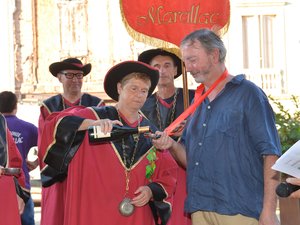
<point>53,30</point>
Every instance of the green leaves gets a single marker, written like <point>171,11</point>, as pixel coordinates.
<point>150,168</point>
<point>287,122</point>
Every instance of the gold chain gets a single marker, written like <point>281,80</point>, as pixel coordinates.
<point>128,169</point>
<point>172,113</point>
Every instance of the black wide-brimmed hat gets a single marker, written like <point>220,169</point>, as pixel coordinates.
<point>69,64</point>
<point>119,71</point>
<point>148,55</point>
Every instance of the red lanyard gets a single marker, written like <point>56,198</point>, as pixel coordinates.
<point>199,98</point>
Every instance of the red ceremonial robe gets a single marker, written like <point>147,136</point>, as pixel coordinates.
<point>9,211</point>
<point>53,196</point>
<point>95,183</point>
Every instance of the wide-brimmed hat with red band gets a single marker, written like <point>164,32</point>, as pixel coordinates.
<point>121,70</point>
<point>69,64</point>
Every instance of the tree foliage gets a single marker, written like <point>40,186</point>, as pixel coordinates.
<point>287,122</point>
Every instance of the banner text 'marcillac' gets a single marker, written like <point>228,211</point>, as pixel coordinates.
<point>193,16</point>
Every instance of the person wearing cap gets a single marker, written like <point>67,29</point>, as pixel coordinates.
<point>70,73</point>
<point>162,108</point>
<point>165,105</point>
<point>109,183</point>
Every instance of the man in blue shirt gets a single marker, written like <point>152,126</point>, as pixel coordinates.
<point>25,135</point>
<point>229,143</point>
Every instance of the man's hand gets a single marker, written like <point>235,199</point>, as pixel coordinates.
<point>294,181</point>
<point>164,142</point>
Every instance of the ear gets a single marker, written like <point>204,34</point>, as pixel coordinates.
<point>59,77</point>
<point>175,71</point>
<point>119,87</point>
<point>215,55</point>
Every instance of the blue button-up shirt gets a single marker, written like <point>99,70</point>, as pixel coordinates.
<point>225,142</point>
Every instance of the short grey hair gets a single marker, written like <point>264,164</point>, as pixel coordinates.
<point>208,39</point>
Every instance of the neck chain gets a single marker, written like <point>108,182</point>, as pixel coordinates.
<point>65,106</point>
<point>172,112</point>
<point>128,169</point>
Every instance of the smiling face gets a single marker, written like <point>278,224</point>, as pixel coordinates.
<point>71,86</point>
<point>167,69</point>
<point>133,90</point>
<point>198,61</point>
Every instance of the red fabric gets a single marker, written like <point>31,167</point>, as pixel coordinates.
<point>53,197</point>
<point>14,158</point>
<point>164,103</point>
<point>178,216</point>
<point>53,204</point>
<point>44,113</point>
<point>52,201</point>
<point>171,21</point>
<point>9,211</point>
<point>96,181</point>
<point>199,98</point>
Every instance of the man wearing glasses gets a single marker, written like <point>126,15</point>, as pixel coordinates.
<point>70,73</point>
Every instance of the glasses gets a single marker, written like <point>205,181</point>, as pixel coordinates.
<point>72,75</point>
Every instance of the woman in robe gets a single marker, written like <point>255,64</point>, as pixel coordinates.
<point>124,181</point>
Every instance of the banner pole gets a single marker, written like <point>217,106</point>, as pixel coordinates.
<point>185,87</point>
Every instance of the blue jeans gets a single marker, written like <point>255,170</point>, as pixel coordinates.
<point>27,218</point>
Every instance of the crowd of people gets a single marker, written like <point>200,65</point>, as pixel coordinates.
<point>212,167</point>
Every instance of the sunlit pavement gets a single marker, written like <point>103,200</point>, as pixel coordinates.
<point>37,215</point>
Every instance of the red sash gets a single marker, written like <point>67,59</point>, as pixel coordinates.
<point>199,98</point>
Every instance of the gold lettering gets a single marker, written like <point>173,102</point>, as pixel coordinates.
<point>192,16</point>
<point>158,9</point>
<point>212,20</point>
<point>195,17</point>
<point>151,12</point>
<point>168,17</point>
<point>184,17</point>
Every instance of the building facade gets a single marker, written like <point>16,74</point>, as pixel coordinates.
<point>262,41</point>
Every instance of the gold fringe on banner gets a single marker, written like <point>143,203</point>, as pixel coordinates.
<point>170,47</point>
<point>161,43</point>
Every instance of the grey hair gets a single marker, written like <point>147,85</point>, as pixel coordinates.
<point>208,39</point>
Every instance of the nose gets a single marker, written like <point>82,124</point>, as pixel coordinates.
<point>75,79</point>
<point>161,70</point>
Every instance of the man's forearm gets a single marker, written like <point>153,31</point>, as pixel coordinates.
<point>271,180</point>
<point>179,154</point>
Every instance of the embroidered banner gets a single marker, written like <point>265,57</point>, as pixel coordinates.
<point>155,22</point>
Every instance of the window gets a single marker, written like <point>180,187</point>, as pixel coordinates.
<point>262,51</point>
<point>258,43</point>
<point>73,28</point>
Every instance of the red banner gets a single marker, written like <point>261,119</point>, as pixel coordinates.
<point>172,20</point>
